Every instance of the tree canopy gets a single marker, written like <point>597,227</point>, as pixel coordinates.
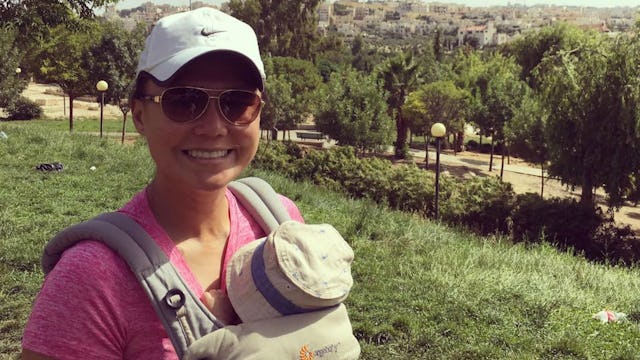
<point>354,111</point>
<point>284,28</point>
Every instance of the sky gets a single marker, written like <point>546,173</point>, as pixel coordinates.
<point>126,4</point>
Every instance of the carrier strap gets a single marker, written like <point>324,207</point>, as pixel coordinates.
<point>183,315</point>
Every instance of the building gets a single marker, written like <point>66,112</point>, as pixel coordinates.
<point>483,35</point>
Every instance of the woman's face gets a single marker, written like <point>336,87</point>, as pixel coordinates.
<point>203,154</point>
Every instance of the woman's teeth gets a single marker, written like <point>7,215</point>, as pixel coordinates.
<point>200,154</point>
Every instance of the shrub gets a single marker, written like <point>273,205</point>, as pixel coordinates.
<point>483,204</point>
<point>614,244</point>
<point>24,109</point>
<point>472,145</point>
<point>563,222</point>
<point>274,156</point>
<point>410,189</point>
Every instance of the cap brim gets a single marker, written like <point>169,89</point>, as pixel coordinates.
<point>165,71</point>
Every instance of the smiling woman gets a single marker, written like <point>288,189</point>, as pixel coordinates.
<point>197,102</point>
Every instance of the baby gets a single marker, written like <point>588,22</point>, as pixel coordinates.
<point>287,290</point>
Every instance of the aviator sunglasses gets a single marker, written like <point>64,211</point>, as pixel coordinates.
<point>184,104</point>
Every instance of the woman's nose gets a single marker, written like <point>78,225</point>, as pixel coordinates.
<point>211,122</point>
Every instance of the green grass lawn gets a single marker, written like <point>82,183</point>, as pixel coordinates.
<point>81,124</point>
<point>422,290</point>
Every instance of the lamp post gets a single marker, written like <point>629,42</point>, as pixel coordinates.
<point>438,130</point>
<point>101,86</point>
<point>18,71</point>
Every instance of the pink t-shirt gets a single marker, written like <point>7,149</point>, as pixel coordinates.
<point>92,307</point>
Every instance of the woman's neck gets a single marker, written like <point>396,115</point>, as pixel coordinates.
<point>189,214</point>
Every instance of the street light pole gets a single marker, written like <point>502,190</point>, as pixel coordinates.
<point>438,130</point>
<point>101,86</point>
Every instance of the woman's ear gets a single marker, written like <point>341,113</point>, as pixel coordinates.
<point>137,112</point>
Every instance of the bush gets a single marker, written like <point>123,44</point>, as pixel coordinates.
<point>274,156</point>
<point>613,244</point>
<point>563,222</point>
<point>483,204</point>
<point>472,145</point>
<point>24,109</point>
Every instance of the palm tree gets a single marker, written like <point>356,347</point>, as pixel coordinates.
<point>399,76</point>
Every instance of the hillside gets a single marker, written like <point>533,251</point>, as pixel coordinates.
<point>422,290</point>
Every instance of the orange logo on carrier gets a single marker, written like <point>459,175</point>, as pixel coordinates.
<point>305,353</point>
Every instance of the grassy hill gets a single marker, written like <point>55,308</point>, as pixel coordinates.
<point>422,291</point>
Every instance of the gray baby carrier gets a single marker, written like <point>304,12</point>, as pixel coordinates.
<point>183,315</point>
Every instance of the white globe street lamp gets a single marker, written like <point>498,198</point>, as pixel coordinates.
<point>438,130</point>
<point>101,86</point>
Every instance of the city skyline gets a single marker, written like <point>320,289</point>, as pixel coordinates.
<point>126,4</point>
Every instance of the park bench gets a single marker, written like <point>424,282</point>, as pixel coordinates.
<point>310,135</point>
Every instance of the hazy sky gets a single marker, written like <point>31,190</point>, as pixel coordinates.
<point>125,4</point>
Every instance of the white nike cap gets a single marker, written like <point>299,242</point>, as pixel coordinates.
<point>179,38</point>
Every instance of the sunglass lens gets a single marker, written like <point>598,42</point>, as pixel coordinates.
<point>184,104</point>
<point>239,107</point>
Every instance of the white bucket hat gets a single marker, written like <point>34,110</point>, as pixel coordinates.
<point>179,38</point>
<point>298,268</point>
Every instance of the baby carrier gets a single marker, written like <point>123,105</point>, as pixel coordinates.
<point>183,315</point>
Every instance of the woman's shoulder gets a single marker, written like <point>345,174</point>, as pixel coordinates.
<point>91,261</point>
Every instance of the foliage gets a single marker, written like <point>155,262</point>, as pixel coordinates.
<point>530,49</point>
<point>591,94</point>
<point>34,19</point>
<point>483,204</point>
<point>354,112</point>
<point>24,109</point>
<point>399,75</point>
<point>439,101</point>
<point>113,58</point>
<point>283,27</point>
<point>563,222</point>
<point>299,99</point>
<point>278,112</point>
<point>525,132</point>
<point>11,83</point>
<point>571,225</point>
<point>65,60</point>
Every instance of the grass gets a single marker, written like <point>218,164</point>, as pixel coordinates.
<point>422,290</point>
<point>80,124</point>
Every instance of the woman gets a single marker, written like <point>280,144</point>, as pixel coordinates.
<point>197,102</point>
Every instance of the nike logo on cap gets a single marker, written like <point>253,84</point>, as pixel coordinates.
<point>205,32</point>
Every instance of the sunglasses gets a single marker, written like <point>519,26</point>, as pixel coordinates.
<point>184,104</point>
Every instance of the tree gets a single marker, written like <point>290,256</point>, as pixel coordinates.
<point>354,111</point>
<point>496,92</point>
<point>65,60</point>
<point>590,93</point>
<point>530,50</point>
<point>502,99</point>
<point>11,83</point>
<point>280,104</point>
<point>525,134</point>
<point>304,79</point>
<point>34,19</point>
<point>283,27</point>
<point>440,101</point>
<point>114,59</point>
<point>399,76</point>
